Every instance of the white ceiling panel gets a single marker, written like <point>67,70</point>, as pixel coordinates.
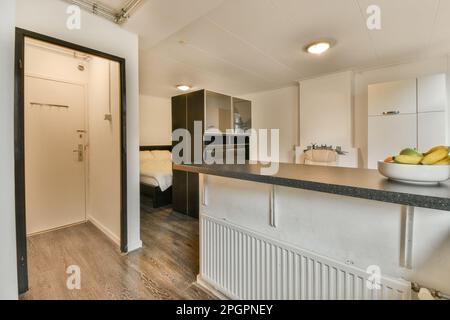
<point>208,39</point>
<point>160,74</point>
<point>200,59</point>
<point>158,19</point>
<point>439,41</point>
<point>407,26</point>
<point>242,46</point>
<point>281,28</point>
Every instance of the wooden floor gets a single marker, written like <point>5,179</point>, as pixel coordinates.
<point>166,268</point>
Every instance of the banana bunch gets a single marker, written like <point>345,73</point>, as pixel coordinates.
<point>436,156</point>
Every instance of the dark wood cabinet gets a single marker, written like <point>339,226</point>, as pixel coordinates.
<point>189,108</point>
<point>196,113</point>
<point>193,200</point>
<point>180,191</point>
<point>179,116</point>
<point>186,110</point>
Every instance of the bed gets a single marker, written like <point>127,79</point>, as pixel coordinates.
<point>156,174</point>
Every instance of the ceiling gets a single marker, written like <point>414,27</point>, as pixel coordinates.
<point>114,4</point>
<point>244,46</point>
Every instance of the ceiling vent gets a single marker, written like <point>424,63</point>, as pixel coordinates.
<point>118,16</point>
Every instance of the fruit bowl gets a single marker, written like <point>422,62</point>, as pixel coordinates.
<point>415,174</point>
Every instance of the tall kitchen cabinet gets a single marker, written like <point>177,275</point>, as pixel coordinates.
<point>225,120</point>
<point>186,109</point>
<point>407,113</point>
<point>432,111</point>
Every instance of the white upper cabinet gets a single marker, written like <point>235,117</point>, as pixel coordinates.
<point>432,93</point>
<point>432,130</point>
<point>398,97</point>
<point>409,113</point>
<point>389,135</point>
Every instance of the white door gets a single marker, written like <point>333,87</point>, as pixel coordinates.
<point>388,135</point>
<point>54,154</point>
<point>393,97</point>
<point>432,130</point>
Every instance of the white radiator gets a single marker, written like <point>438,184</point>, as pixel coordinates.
<point>244,265</point>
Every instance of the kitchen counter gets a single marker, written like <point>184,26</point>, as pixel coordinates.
<point>262,235</point>
<point>358,183</point>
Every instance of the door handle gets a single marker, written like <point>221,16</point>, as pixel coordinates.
<point>80,152</point>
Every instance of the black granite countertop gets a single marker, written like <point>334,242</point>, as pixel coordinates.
<point>358,183</point>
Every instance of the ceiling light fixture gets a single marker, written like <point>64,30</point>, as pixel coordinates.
<point>183,87</point>
<point>318,47</point>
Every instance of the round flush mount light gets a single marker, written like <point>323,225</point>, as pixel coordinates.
<point>183,87</point>
<point>318,47</point>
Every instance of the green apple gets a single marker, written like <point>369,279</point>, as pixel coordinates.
<point>411,152</point>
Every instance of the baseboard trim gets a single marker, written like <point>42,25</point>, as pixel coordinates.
<point>105,230</point>
<point>57,228</point>
<point>211,289</point>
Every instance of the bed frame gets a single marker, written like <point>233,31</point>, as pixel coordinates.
<point>160,198</point>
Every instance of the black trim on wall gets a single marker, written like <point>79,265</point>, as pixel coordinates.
<point>19,143</point>
<point>124,174</point>
<point>19,162</point>
<point>155,148</point>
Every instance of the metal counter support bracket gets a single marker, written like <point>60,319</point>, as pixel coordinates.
<point>406,245</point>
<point>205,190</point>
<point>272,214</point>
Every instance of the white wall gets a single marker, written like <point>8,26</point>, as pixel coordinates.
<point>267,106</point>
<point>103,203</point>
<point>155,121</point>
<point>391,73</point>
<point>49,17</point>
<point>278,109</point>
<point>326,110</point>
<point>8,263</point>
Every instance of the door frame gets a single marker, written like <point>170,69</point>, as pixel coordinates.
<point>19,145</point>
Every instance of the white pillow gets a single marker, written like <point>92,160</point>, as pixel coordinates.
<point>146,156</point>
<point>162,155</point>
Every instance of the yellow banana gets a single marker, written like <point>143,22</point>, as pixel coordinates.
<point>435,156</point>
<point>444,162</point>
<point>436,149</point>
<point>406,159</point>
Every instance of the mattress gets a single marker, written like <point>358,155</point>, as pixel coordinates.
<point>149,181</point>
<point>157,173</point>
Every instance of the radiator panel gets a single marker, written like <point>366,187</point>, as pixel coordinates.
<point>245,265</point>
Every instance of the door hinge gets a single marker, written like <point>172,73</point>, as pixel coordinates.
<point>20,64</point>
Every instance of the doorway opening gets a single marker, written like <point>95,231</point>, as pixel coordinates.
<point>70,143</point>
